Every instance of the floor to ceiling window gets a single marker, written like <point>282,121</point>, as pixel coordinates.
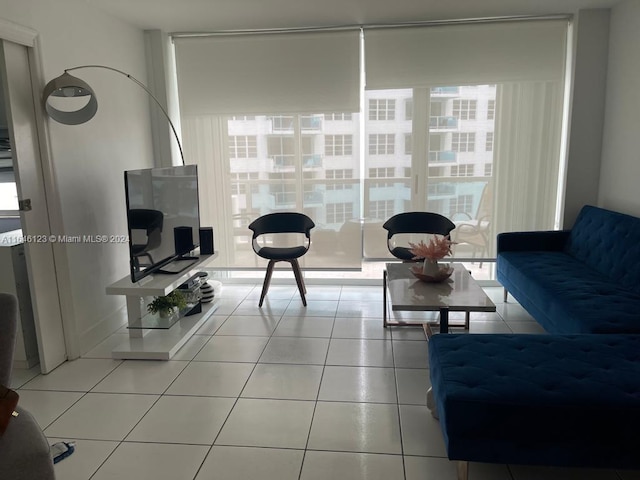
<point>463,120</point>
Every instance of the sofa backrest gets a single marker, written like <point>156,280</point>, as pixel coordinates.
<point>608,242</point>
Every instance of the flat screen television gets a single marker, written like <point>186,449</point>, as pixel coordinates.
<point>162,217</point>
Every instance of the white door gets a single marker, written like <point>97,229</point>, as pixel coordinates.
<point>20,106</point>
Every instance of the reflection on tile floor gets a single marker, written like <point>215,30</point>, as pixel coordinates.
<point>278,393</point>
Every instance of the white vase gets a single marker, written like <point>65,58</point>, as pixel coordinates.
<point>430,267</point>
<point>166,312</point>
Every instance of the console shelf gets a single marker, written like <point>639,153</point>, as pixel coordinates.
<point>157,344</point>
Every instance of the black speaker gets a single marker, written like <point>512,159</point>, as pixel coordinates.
<point>206,240</point>
<point>183,238</point>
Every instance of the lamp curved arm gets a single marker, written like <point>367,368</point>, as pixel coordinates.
<point>81,88</point>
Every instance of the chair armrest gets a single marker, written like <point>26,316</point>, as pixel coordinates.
<point>551,240</point>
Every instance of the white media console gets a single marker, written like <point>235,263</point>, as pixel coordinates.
<point>157,343</point>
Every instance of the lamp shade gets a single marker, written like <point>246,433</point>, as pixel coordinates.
<point>69,86</point>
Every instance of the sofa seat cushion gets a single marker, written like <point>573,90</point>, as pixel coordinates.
<point>569,400</point>
<point>568,296</point>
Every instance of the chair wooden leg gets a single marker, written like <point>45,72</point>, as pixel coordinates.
<point>299,280</point>
<point>463,470</point>
<point>267,281</point>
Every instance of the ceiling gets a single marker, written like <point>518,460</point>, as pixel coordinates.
<point>215,15</point>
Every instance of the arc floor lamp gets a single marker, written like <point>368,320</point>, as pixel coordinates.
<point>68,86</point>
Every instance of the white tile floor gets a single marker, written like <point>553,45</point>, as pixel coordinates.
<point>278,393</point>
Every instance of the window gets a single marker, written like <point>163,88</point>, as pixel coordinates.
<point>337,145</point>
<point>382,109</point>
<point>381,144</point>
<point>489,142</point>
<point>436,171</point>
<point>338,175</point>
<point>339,212</point>
<point>242,146</point>
<point>463,142</point>
<point>284,194</point>
<point>408,109</point>
<point>242,118</point>
<point>488,169</point>
<point>465,109</point>
<point>464,170</point>
<point>338,117</point>
<point>491,109</point>
<point>239,182</point>
<point>407,143</point>
<point>462,203</point>
<point>386,172</point>
<point>381,209</point>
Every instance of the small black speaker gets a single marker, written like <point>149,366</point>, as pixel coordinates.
<point>206,240</point>
<point>183,238</point>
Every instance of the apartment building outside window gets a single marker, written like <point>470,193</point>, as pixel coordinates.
<point>382,109</point>
<point>381,208</point>
<point>338,145</point>
<point>243,146</point>
<point>491,109</point>
<point>339,117</point>
<point>464,170</point>
<point>381,144</point>
<point>339,212</point>
<point>338,174</point>
<point>462,203</point>
<point>463,142</point>
<point>465,109</point>
<point>488,169</point>
<point>407,143</point>
<point>489,142</point>
<point>384,172</point>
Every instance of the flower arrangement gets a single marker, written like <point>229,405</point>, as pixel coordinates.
<point>438,248</point>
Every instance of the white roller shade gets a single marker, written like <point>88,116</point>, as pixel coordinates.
<point>468,54</point>
<point>269,73</point>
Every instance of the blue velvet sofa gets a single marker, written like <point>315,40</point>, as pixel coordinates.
<point>582,280</point>
<point>554,400</point>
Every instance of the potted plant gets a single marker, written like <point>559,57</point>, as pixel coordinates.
<point>166,306</point>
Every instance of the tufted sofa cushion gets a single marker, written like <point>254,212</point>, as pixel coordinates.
<point>539,399</point>
<point>608,242</point>
<point>567,296</point>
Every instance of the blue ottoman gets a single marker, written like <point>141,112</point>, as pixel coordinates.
<point>557,400</point>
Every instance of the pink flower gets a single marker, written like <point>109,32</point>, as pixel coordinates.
<point>438,248</point>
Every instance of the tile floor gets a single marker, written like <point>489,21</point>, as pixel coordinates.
<point>278,393</point>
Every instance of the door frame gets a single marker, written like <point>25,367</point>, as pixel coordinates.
<point>63,307</point>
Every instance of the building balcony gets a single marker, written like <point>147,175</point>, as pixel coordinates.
<point>443,123</point>
<point>311,123</point>
<point>313,160</point>
<point>444,156</point>
<point>445,91</point>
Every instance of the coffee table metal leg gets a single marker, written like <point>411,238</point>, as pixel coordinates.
<point>444,320</point>
<point>384,298</point>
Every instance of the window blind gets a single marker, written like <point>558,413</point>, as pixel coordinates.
<point>269,73</point>
<point>465,54</point>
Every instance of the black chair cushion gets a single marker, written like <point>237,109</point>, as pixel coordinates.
<point>287,253</point>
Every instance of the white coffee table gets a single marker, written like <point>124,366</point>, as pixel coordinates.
<point>459,293</point>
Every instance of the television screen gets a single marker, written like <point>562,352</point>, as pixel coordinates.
<point>162,216</point>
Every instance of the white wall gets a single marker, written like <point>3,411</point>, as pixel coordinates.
<point>591,35</point>
<point>89,159</point>
<point>620,174</point>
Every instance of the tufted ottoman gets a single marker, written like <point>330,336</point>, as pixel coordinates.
<point>557,400</point>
